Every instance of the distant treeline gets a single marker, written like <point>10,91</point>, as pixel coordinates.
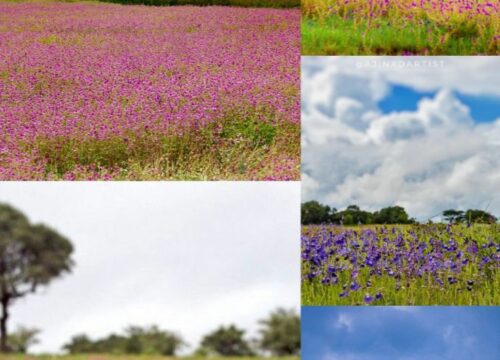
<point>243,3</point>
<point>279,336</point>
<point>313,212</point>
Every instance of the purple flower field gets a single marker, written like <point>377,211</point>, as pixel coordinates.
<point>401,265</point>
<point>102,91</point>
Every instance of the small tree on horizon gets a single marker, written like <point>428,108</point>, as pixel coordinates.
<point>31,256</point>
<point>280,333</point>
<point>22,339</point>
<point>226,341</point>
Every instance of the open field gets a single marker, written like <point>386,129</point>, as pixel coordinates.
<point>401,265</point>
<point>403,27</point>
<point>94,91</point>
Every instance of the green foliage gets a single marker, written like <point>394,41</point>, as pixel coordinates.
<point>470,216</point>
<point>339,36</point>
<point>136,340</point>
<point>479,217</point>
<point>226,341</point>
<point>315,213</point>
<point>352,215</point>
<point>453,216</point>
<point>237,145</point>
<point>312,212</point>
<point>243,3</point>
<point>20,340</point>
<point>392,215</point>
<point>280,333</point>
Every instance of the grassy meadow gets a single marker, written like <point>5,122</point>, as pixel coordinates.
<point>401,265</point>
<point>405,27</point>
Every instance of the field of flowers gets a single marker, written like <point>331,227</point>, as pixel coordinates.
<point>103,91</point>
<point>401,265</point>
<point>400,27</point>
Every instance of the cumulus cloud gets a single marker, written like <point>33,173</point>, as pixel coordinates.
<point>427,160</point>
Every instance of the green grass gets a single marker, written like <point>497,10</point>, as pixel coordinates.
<point>233,148</point>
<point>338,36</point>
<point>413,290</point>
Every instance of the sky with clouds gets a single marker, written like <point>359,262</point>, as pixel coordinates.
<point>400,333</point>
<point>417,132</point>
<point>187,256</point>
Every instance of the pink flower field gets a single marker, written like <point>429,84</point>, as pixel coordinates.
<point>104,91</point>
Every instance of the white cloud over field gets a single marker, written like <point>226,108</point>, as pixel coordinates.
<point>185,256</point>
<point>427,160</point>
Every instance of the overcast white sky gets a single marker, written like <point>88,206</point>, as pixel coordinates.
<point>186,256</point>
<point>428,159</point>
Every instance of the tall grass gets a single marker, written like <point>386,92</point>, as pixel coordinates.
<point>403,27</point>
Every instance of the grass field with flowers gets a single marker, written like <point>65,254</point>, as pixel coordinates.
<point>401,265</point>
<point>99,91</point>
<point>400,27</point>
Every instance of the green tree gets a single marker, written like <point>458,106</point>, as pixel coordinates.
<point>453,216</point>
<point>479,216</point>
<point>80,344</point>
<point>280,333</point>
<point>31,256</point>
<point>353,215</point>
<point>20,340</point>
<point>137,340</point>
<point>152,340</point>
<point>392,215</point>
<point>226,341</point>
<point>312,212</point>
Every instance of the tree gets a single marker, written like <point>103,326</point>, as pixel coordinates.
<point>80,344</point>
<point>479,216</point>
<point>30,257</point>
<point>392,215</point>
<point>453,216</point>
<point>22,339</point>
<point>152,340</point>
<point>137,340</point>
<point>312,212</point>
<point>280,333</point>
<point>352,215</point>
<point>226,341</point>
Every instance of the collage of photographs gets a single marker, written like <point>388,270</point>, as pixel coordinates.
<point>249,179</point>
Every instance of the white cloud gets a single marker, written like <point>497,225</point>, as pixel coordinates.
<point>344,322</point>
<point>427,160</point>
<point>470,75</point>
<point>406,309</point>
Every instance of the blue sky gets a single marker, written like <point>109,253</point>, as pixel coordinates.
<point>400,333</point>
<point>483,108</point>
